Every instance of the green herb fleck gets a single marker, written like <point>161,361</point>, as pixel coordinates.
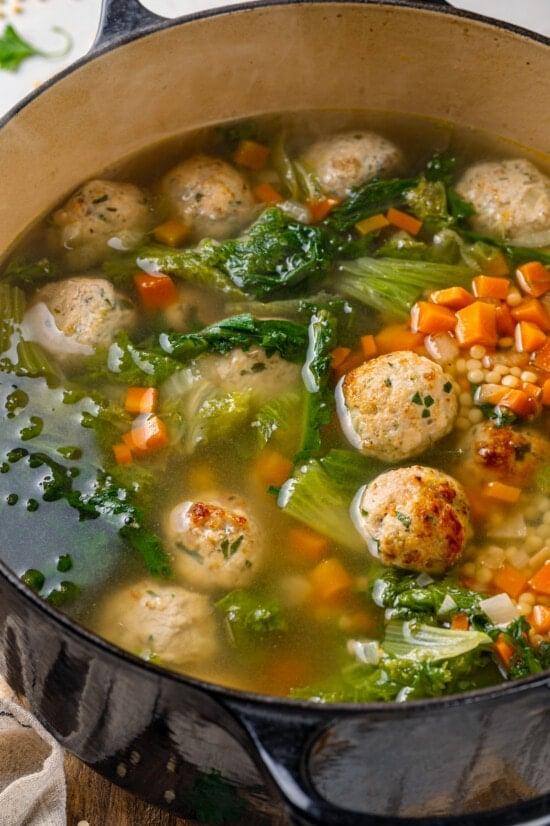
<point>428,401</point>
<point>33,579</point>
<point>64,563</point>
<point>417,398</point>
<point>448,386</point>
<point>426,414</point>
<point>404,519</point>
<point>14,50</point>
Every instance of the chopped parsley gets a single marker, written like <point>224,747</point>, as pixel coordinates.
<point>229,549</point>
<point>448,386</point>
<point>404,519</point>
<point>417,398</point>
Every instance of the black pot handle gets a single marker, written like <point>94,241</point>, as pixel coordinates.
<point>280,749</point>
<point>123,17</point>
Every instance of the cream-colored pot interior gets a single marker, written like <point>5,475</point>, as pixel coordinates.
<point>312,56</point>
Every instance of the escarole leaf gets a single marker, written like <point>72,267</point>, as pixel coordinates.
<point>251,615</point>
<point>315,374</point>
<point>296,181</point>
<point>17,355</point>
<point>320,493</point>
<point>126,363</point>
<point>278,422</point>
<point>369,199</point>
<point>392,285</point>
<point>416,640</point>
<point>286,338</point>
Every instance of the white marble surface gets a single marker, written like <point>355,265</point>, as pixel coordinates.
<point>81,17</point>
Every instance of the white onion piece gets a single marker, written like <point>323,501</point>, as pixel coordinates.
<point>441,347</point>
<point>424,579</point>
<point>367,652</point>
<point>296,210</point>
<point>500,609</point>
<point>446,606</point>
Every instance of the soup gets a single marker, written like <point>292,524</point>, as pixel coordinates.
<point>274,407</point>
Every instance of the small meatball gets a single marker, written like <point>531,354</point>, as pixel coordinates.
<point>71,318</point>
<point>216,544</point>
<point>98,213</point>
<point>210,195</point>
<point>501,454</point>
<point>349,159</point>
<point>396,406</point>
<point>415,518</point>
<point>164,621</point>
<point>511,198</point>
<point>243,370</point>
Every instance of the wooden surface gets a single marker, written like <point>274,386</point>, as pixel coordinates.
<point>93,799</point>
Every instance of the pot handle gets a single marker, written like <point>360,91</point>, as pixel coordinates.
<point>123,17</point>
<point>280,749</point>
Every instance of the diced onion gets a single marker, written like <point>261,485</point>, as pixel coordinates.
<point>296,210</point>
<point>441,347</point>
<point>424,579</point>
<point>500,609</point>
<point>447,606</point>
<point>367,652</point>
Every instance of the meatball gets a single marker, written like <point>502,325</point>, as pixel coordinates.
<point>415,518</point>
<point>210,195</point>
<point>215,542</point>
<point>396,406</point>
<point>502,453</point>
<point>163,621</point>
<point>511,198</point>
<point>101,211</point>
<point>348,159</point>
<point>71,317</point>
<point>243,370</point>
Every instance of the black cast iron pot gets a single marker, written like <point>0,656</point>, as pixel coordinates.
<point>478,758</point>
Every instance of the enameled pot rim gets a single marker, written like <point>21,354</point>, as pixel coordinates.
<point>278,703</point>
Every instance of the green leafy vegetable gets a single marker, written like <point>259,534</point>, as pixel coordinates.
<point>249,615</point>
<point>24,358</point>
<point>315,373</point>
<point>417,641</point>
<point>296,181</point>
<point>320,492</point>
<point>441,167</point>
<point>392,286</point>
<point>125,363</point>
<point>30,273</point>
<point>286,338</point>
<point>278,422</point>
<point>369,199</point>
<point>14,50</point>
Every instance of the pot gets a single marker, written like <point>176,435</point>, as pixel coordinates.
<point>198,749</point>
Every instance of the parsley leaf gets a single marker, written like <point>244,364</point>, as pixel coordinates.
<point>14,50</point>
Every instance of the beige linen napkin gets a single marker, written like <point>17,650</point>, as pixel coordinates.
<point>32,779</point>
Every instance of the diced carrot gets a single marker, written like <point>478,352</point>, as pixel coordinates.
<point>510,580</point>
<point>339,355</point>
<point>460,622</point>
<point>368,346</point>
<point>397,337</point>
<point>321,207</point>
<point>404,221</point>
<point>122,454</point>
<point>542,357</point>
<point>267,194</point>
<point>172,233</point>
<point>541,580</point>
<point>141,400</point>
<point>518,402</point>
<point>496,264</point>
<point>528,337</point>
<point>476,324</point>
<point>310,544</point>
<point>353,360</point>
<point>505,320</point>
<point>372,224</point>
<point>251,154</point>
<point>330,579</point>
<point>155,291</point>
<point>534,391</point>
<point>487,286</point>
<point>533,278</point>
<point>546,393</point>
<point>272,468</point>
<point>504,649</point>
<point>539,619</point>
<point>431,318</point>
<point>455,298</point>
<point>531,309</point>
<point>148,435</point>
<point>502,492</point>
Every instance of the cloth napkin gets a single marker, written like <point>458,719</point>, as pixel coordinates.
<point>32,780</point>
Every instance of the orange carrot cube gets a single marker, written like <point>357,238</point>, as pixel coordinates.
<point>251,154</point>
<point>172,233</point>
<point>533,310</point>
<point>155,291</point>
<point>502,492</point>
<point>368,346</point>
<point>487,286</point>
<point>372,224</point>
<point>528,337</point>
<point>476,324</point>
<point>541,580</point>
<point>122,454</point>
<point>455,298</point>
<point>321,207</point>
<point>141,400</point>
<point>311,545</point>
<point>533,278</point>
<point>404,221</point>
<point>267,194</point>
<point>431,318</point>
<point>539,619</point>
<point>511,580</point>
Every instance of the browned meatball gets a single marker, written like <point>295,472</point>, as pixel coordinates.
<point>502,453</point>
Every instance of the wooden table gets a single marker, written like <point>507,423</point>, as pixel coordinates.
<point>93,799</point>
